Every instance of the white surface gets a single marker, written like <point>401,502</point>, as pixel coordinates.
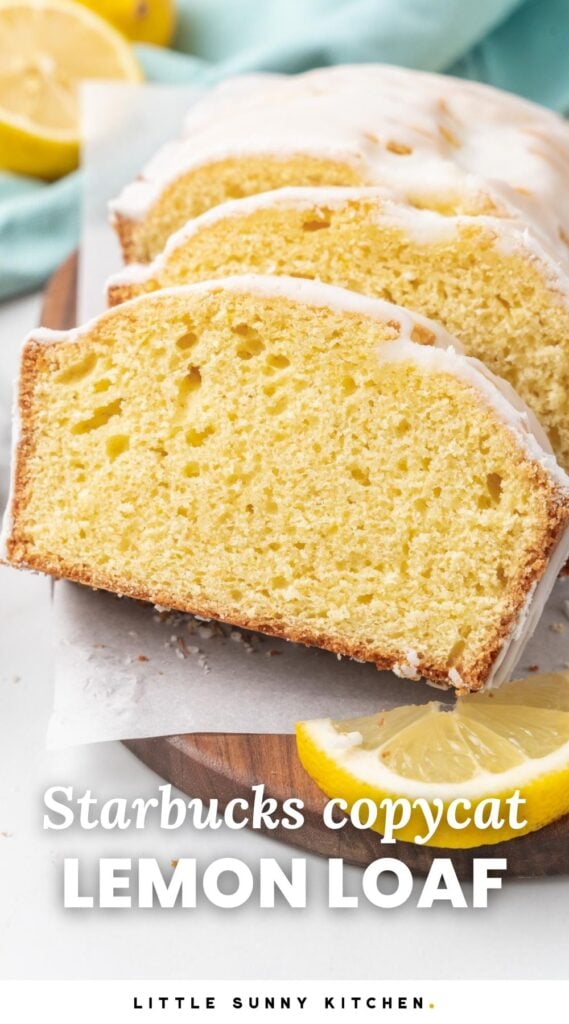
<point>226,682</point>
<point>231,681</point>
<point>521,935</point>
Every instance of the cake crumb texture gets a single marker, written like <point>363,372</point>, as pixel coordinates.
<point>247,457</point>
<point>477,276</point>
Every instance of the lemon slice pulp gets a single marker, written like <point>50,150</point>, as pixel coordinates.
<point>46,48</point>
<point>484,746</point>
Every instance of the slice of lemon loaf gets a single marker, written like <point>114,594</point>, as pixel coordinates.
<point>283,455</point>
<point>490,281</point>
<point>449,144</point>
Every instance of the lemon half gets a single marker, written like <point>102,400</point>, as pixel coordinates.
<point>485,745</point>
<point>46,48</point>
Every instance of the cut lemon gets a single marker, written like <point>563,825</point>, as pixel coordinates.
<point>46,48</point>
<point>484,746</point>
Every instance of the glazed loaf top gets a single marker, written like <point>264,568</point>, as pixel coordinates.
<point>427,136</point>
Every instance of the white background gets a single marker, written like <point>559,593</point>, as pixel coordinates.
<point>522,935</point>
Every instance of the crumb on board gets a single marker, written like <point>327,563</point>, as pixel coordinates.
<point>205,629</point>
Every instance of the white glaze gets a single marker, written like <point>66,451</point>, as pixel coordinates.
<point>508,147</point>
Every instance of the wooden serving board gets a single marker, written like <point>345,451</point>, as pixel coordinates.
<point>226,765</point>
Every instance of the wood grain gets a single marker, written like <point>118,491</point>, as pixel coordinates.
<point>226,765</point>
<point>59,309</point>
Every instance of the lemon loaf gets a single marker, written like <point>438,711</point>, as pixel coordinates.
<point>448,144</point>
<point>294,458</point>
<point>490,281</point>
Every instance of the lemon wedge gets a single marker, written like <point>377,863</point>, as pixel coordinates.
<point>46,48</point>
<point>485,745</point>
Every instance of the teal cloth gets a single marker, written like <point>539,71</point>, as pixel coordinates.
<point>519,45</point>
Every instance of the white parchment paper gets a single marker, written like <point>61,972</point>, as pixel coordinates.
<point>122,125</point>
<point>125,670</point>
